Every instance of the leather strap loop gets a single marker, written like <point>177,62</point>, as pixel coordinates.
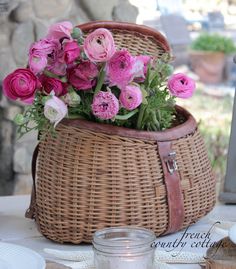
<point>173,187</point>
<point>30,212</point>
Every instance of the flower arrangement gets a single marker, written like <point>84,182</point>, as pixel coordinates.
<point>70,75</point>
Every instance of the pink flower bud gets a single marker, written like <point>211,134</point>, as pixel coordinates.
<point>131,97</point>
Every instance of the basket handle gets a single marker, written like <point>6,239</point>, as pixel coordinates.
<point>30,212</point>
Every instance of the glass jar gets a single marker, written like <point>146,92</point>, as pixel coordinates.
<point>123,248</point>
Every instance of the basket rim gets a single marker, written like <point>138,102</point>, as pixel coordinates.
<point>177,132</point>
<point>127,26</point>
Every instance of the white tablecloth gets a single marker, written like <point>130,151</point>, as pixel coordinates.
<point>15,228</point>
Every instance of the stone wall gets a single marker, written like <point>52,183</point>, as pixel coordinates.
<point>21,23</point>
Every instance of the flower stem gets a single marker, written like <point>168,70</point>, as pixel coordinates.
<point>127,116</point>
<point>101,78</point>
<point>140,116</point>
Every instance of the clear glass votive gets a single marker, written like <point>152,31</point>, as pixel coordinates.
<point>123,248</point>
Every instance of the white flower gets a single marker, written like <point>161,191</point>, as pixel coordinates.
<point>55,110</point>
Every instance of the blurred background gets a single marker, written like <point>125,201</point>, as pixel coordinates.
<point>207,58</point>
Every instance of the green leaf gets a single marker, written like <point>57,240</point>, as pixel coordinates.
<point>20,119</point>
<point>155,81</point>
<point>146,82</point>
<point>100,82</point>
<point>144,94</point>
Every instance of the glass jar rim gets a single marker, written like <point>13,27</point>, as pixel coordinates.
<point>130,237</point>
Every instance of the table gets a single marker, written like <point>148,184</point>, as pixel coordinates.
<point>15,228</point>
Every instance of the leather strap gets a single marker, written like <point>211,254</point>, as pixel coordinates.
<point>173,187</point>
<point>30,212</point>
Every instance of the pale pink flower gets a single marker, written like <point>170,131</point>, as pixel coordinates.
<point>21,84</point>
<point>105,105</point>
<point>140,67</point>
<point>71,52</point>
<point>181,85</point>
<point>55,110</point>
<point>131,97</point>
<point>119,69</point>
<point>99,46</point>
<point>83,76</point>
<point>60,30</point>
<point>37,62</point>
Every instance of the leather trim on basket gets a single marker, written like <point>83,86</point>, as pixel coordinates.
<point>179,131</point>
<point>139,29</point>
<point>173,187</point>
<point>31,211</point>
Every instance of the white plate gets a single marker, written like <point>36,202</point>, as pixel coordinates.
<point>18,257</point>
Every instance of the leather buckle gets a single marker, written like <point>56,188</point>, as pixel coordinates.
<point>171,162</point>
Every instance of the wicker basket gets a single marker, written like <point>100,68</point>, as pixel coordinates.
<point>94,175</point>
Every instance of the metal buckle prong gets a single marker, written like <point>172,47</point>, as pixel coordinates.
<point>171,162</point>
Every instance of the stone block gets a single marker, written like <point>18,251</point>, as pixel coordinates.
<point>23,156</point>
<point>11,111</point>
<point>7,62</point>
<point>45,9</point>
<point>124,11</point>
<point>6,151</point>
<point>99,9</point>
<point>23,184</point>
<point>22,38</point>
<point>23,12</point>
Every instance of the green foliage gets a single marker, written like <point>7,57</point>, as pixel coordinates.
<point>214,42</point>
<point>157,111</point>
<point>33,119</point>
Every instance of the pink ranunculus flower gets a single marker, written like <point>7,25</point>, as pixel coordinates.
<point>141,62</point>
<point>55,110</point>
<point>37,62</point>
<point>131,97</point>
<point>71,52</point>
<point>41,53</point>
<point>181,85</point>
<point>21,84</point>
<point>52,84</point>
<point>56,63</point>
<point>99,46</point>
<point>105,105</point>
<point>83,76</point>
<point>60,30</point>
<point>57,67</point>
<point>119,69</point>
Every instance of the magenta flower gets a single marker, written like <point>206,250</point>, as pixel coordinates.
<point>55,110</point>
<point>21,84</point>
<point>105,105</point>
<point>52,84</point>
<point>131,97</point>
<point>181,85</point>
<point>119,69</point>
<point>83,76</point>
<point>60,30</point>
<point>99,46</point>
<point>71,52</point>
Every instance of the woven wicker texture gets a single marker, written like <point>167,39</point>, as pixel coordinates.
<point>88,180</point>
